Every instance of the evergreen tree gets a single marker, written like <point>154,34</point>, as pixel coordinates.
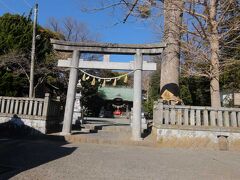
<point>195,91</point>
<point>153,92</point>
<point>15,33</point>
<point>15,53</point>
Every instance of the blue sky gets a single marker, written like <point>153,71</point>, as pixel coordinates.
<point>102,22</point>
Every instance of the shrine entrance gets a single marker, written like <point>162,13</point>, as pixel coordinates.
<point>138,65</point>
<point>117,101</point>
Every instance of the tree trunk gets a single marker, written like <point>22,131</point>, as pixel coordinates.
<point>171,55</point>
<point>214,84</point>
<point>214,45</point>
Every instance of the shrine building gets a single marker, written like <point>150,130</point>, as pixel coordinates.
<point>118,101</point>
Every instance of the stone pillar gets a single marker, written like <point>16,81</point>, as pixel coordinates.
<point>137,97</point>
<point>77,109</point>
<point>67,122</point>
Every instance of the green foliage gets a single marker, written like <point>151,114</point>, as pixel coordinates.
<point>43,45</point>
<point>90,99</point>
<point>15,33</point>
<point>15,52</point>
<point>230,78</point>
<point>154,86</point>
<point>11,85</point>
<point>185,94</point>
<point>195,91</point>
<point>148,107</point>
<point>153,94</point>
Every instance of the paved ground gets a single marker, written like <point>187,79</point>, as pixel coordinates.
<point>51,160</point>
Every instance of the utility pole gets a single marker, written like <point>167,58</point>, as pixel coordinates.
<point>31,81</point>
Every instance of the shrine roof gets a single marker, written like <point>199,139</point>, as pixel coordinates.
<point>110,93</point>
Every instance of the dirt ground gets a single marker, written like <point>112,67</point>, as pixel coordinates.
<point>58,160</point>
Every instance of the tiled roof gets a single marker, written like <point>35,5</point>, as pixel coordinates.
<point>110,93</point>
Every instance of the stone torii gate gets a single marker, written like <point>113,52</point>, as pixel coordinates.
<point>138,65</point>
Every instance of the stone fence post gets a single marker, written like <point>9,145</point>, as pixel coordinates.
<point>157,113</point>
<point>46,104</point>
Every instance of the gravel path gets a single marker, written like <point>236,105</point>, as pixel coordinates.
<point>49,160</point>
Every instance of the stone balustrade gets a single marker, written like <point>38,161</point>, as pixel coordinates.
<point>37,113</point>
<point>22,106</point>
<point>196,117</point>
<point>197,126</point>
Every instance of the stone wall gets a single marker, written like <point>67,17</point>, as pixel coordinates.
<point>198,139</point>
<point>37,125</point>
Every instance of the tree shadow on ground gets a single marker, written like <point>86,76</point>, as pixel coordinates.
<point>20,152</point>
<point>16,128</point>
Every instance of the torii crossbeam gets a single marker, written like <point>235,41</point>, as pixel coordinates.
<point>107,65</point>
<point>138,65</point>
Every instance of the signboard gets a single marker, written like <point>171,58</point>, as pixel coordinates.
<point>236,97</point>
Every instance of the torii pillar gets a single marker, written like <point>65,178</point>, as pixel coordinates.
<point>137,97</point>
<point>71,92</point>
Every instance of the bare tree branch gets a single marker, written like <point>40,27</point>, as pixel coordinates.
<point>130,11</point>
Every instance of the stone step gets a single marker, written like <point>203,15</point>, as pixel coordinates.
<point>105,131</point>
<point>108,127</point>
<point>83,130</point>
<point>106,139</point>
<point>125,129</point>
<point>93,126</point>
